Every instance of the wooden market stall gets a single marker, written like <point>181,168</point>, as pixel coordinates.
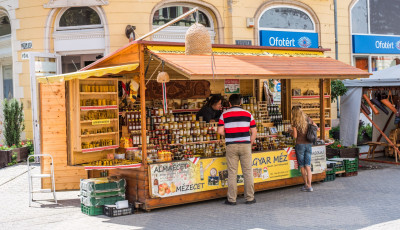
<point>83,119</point>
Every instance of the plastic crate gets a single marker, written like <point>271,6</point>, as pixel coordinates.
<point>103,193</point>
<point>97,201</point>
<point>330,177</point>
<point>93,210</point>
<point>113,211</point>
<point>90,185</point>
<point>330,171</point>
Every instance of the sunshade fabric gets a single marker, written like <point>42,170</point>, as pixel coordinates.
<point>251,66</point>
<point>88,73</point>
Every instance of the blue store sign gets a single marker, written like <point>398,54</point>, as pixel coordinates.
<point>288,39</point>
<point>371,44</point>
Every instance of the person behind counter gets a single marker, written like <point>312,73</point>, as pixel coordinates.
<point>236,124</point>
<point>211,111</point>
<point>303,147</point>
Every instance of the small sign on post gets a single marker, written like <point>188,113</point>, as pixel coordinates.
<point>25,56</point>
<point>26,45</point>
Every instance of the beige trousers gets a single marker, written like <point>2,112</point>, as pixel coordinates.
<point>234,153</point>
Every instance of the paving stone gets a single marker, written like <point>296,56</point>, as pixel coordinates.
<point>367,201</point>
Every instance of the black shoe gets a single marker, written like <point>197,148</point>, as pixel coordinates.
<point>251,202</point>
<point>227,202</point>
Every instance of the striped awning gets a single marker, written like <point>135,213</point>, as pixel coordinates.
<point>88,73</point>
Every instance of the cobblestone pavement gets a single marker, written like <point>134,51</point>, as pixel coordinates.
<point>368,201</point>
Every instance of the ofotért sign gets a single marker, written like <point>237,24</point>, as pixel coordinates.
<point>288,39</point>
<point>376,44</point>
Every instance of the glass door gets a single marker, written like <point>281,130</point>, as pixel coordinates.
<point>41,64</point>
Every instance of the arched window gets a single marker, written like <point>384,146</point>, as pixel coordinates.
<point>167,14</point>
<point>79,17</point>
<point>286,18</point>
<point>176,32</point>
<point>5,27</point>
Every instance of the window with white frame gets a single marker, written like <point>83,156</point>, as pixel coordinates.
<point>177,31</point>
<point>5,26</point>
<point>383,17</point>
<point>79,31</point>
<point>286,18</point>
<point>79,18</point>
<point>167,14</point>
<point>8,91</point>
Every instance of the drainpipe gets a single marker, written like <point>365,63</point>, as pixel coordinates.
<point>336,47</point>
<point>336,33</point>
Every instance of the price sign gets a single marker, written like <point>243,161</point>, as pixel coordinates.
<point>101,122</point>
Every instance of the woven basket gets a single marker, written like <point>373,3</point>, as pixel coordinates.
<point>197,40</point>
<point>162,77</point>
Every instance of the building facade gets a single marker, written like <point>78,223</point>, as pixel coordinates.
<point>46,37</point>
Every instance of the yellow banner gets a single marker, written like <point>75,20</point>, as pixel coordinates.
<point>236,51</point>
<point>183,177</point>
<point>101,122</point>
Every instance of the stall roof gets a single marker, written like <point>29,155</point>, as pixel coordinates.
<point>386,77</point>
<point>88,73</point>
<point>258,66</point>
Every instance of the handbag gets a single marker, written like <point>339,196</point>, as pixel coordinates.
<point>374,109</point>
<point>311,133</point>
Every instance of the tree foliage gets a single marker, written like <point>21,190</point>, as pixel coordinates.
<point>337,89</point>
<point>13,115</point>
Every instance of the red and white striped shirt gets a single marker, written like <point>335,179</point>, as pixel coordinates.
<point>237,123</point>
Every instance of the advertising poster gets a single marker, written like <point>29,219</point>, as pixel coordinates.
<point>232,86</point>
<point>184,177</point>
<point>318,159</point>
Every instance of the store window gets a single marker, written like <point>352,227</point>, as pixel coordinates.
<point>166,14</point>
<point>79,17</point>
<point>286,18</point>
<point>383,62</point>
<point>8,91</point>
<point>5,27</point>
<point>376,34</point>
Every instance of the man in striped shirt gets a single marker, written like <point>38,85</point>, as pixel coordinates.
<point>237,124</point>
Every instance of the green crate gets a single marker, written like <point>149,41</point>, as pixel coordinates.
<point>351,170</point>
<point>330,171</point>
<point>330,177</point>
<point>339,169</point>
<point>92,211</point>
<point>103,193</point>
<point>97,201</point>
<point>89,185</point>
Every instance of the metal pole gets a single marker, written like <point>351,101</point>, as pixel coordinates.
<point>169,23</point>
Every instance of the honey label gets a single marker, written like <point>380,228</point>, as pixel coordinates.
<point>101,122</point>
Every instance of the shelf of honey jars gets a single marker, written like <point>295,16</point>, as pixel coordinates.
<point>98,108</point>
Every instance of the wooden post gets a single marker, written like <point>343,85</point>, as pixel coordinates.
<point>322,109</point>
<point>383,134</point>
<point>143,104</point>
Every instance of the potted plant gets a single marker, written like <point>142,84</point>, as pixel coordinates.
<point>13,125</point>
<point>337,149</point>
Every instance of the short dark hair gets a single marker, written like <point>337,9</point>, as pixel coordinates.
<point>235,99</point>
<point>214,100</point>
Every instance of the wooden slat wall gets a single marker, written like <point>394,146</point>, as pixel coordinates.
<point>54,138</point>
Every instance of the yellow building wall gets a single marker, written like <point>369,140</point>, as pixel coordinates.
<point>33,16</point>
